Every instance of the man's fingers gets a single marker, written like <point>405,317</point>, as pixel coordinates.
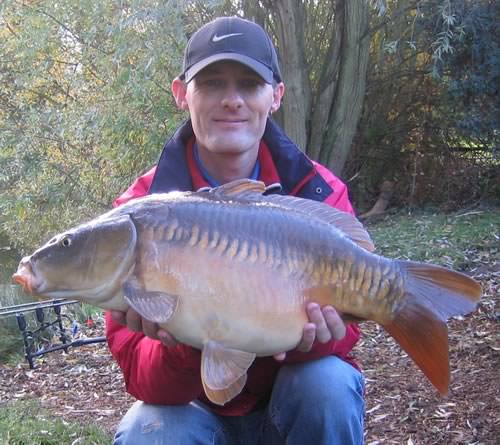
<point>119,317</point>
<point>308,336</point>
<point>323,334</point>
<point>334,322</point>
<point>134,321</point>
<point>150,328</point>
<point>280,357</point>
<point>166,338</point>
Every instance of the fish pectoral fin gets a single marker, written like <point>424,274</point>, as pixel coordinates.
<point>224,371</point>
<point>158,307</point>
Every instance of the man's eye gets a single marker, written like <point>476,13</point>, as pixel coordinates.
<point>250,83</point>
<point>213,82</point>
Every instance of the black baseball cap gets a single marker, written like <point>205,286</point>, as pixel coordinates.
<point>231,38</point>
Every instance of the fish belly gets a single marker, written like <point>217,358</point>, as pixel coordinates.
<point>243,306</point>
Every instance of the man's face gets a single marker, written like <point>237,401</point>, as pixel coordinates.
<point>229,105</point>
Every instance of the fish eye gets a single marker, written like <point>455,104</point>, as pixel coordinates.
<point>66,241</point>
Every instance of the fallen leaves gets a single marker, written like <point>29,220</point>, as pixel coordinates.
<point>84,385</point>
<point>403,408</point>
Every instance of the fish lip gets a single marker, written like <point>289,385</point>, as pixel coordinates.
<point>24,281</point>
<point>26,277</point>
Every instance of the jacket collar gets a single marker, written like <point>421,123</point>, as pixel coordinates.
<point>296,171</point>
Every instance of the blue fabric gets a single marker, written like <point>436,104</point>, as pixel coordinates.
<point>318,402</point>
<point>211,180</point>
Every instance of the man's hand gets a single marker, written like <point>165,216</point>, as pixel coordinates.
<point>324,324</point>
<point>136,323</point>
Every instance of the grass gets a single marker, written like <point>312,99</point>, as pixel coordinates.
<point>11,343</point>
<point>26,423</point>
<point>455,240</point>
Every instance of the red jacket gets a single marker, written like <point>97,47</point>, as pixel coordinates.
<point>171,376</point>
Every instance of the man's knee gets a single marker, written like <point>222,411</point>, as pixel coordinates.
<point>323,398</point>
<point>161,424</point>
<point>328,380</point>
<point>140,421</point>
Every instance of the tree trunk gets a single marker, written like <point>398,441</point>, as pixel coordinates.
<point>326,86</point>
<point>289,25</point>
<point>324,126</point>
<point>348,101</point>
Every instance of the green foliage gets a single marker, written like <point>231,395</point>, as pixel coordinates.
<point>434,136</point>
<point>23,423</point>
<point>11,343</point>
<point>85,106</point>
<point>85,102</point>
<point>473,74</point>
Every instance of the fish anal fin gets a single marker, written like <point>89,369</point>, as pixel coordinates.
<point>425,338</point>
<point>223,371</point>
<point>240,188</point>
<point>158,307</point>
<point>222,396</point>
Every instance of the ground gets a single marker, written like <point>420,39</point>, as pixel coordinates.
<point>86,386</point>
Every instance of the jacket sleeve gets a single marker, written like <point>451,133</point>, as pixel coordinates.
<point>154,373</point>
<point>339,199</point>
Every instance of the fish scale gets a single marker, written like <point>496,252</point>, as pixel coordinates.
<point>290,261</point>
<point>229,245</point>
<point>262,245</point>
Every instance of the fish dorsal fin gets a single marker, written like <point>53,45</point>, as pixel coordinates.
<point>240,188</point>
<point>343,221</point>
<point>223,371</point>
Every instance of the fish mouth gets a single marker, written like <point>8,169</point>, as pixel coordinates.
<point>24,276</point>
<point>25,282</point>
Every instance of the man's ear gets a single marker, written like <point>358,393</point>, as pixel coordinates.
<point>179,89</point>
<point>278,92</point>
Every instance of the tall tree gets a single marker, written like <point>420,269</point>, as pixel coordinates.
<point>85,105</point>
<point>323,47</point>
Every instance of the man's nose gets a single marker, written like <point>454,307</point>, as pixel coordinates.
<point>232,97</point>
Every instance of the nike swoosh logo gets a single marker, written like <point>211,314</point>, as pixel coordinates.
<point>217,38</point>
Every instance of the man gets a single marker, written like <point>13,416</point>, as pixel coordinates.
<point>230,85</point>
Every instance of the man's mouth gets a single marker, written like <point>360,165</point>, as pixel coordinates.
<point>230,121</point>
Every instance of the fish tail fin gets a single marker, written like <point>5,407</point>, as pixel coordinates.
<point>432,295</point>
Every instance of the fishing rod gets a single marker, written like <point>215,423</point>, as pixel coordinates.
<point>33,306</point>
